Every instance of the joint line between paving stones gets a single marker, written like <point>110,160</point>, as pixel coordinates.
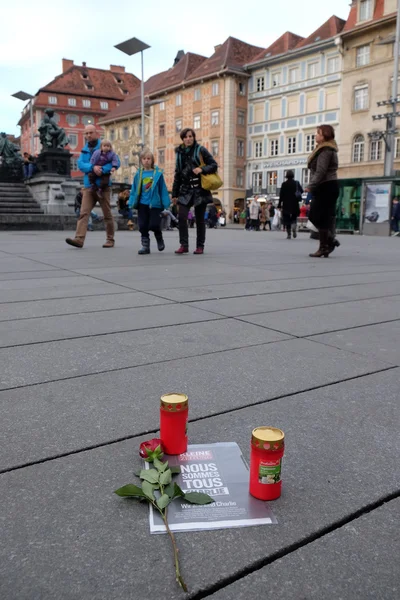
<point>264,312</point>
<point>195,420</point>
<point>86,312</point>
<point>125,291</point>
<point>312,335</point>
<point>94,335</point>
<point>256,280</point>
<point>310,539</point>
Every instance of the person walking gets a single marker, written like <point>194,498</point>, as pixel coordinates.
<point>289,198</point>
<point>149,195</point>
<point>323,164</point>
<point>395,217</point>
<point>192,160</point>
<point>255,214</point>
<point>90,197</point>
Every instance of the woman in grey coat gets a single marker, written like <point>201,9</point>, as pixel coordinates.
<point>323,164</point>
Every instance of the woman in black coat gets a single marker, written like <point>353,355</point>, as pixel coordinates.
<point>289,198</point>
<point>323,164</point>
<point>191,161</point>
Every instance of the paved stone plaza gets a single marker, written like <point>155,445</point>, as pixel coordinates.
<point>256,333</point>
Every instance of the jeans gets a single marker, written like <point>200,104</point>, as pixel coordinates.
<point>28,170</point>
<point>126,213</point>
<point>200,225</point>
<point>149,219</point>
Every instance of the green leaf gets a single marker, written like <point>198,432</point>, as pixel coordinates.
<point>130,490</point>
<point>197,498</point>
<point>175,470</point>
<point>160,466</point>
<point>166,477</point>
<point>170,489</point>
<point>177,491</point>
<point>150,475</point>
<point>163,501</point>
<point>148,490</point>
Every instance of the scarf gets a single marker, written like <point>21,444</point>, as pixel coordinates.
<point>332,145</point>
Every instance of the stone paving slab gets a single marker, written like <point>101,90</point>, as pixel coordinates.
<point>360,551</point>
<point>84,411</point>
<point>61,520</point>
<point>270,286</point>
<point>234,307</point>
<point>380,341</point>
<point>46,329</point>
<point>83,304</point>
<point>64,534</point>
<point>329,317</point>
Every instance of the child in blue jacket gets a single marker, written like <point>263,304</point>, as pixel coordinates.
<point>149,195</point>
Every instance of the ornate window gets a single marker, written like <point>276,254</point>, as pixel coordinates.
<point>358,148</point>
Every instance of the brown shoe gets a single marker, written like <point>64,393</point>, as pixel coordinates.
<point>109,244</point>
<point>74,242</point>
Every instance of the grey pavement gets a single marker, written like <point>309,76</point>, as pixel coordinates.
<point>256,333</point>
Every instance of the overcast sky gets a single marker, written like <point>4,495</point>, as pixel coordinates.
<point>35,36</point>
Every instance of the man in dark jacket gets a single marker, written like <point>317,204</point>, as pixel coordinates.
<point>191,161</point>
<point>289,198</point>
<point>395,217</point>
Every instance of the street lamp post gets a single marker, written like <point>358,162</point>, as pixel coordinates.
<point>25,96</point>
<point>131,47</point>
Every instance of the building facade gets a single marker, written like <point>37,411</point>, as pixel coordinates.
<point>295,86</point>
<point>79,96</point>
<point>206,94</point>
<point>368,61</point>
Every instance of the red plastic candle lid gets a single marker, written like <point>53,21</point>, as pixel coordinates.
<point>174,402</point>
<point>268,438</point>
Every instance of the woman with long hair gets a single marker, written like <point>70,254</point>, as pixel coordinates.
<point>323,164</point>
<point>191,161</point>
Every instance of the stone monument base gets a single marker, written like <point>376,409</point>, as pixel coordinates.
<point>55,194</point>
<point>55,161</point>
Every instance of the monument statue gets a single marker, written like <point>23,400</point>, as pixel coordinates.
<point>9,152</point>
<point>51,135</point>
<point>10,160</point>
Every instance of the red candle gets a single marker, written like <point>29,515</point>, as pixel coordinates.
<point>267,448</point>
<point>173,423</point>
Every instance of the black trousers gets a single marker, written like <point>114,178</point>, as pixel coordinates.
<point>200,225</point>
<point>149,219</point>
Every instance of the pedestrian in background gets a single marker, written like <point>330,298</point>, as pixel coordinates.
<point>255,214</point>
<point>323,164</point>
<point>289,198</point>
<point>191,161</point>
<point>395,217</point>
<point>90,197</point>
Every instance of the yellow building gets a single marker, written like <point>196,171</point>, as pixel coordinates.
<point>294,87</point>
<point>206,94</point>
<point>367,43</point>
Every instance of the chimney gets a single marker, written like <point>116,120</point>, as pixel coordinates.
<point>83,64</point>
<point>67,64</point>
<point>217,47</point>
<point>181,54</point>
<point>117,69</point>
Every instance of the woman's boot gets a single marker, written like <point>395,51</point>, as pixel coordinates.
<point>323,250</point>
<point>145,249</point>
